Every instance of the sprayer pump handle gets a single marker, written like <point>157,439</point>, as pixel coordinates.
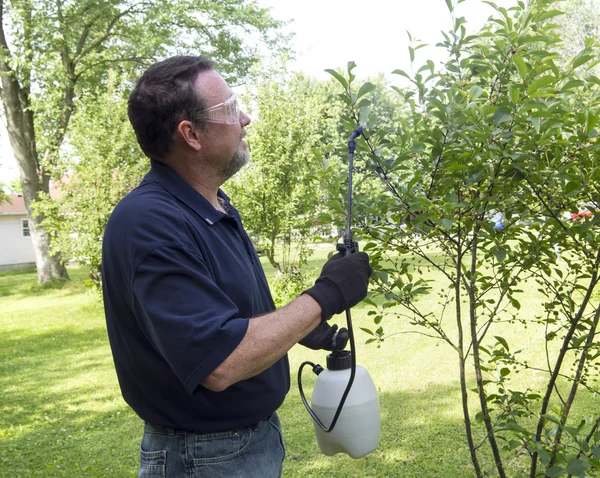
<point>345,249</point>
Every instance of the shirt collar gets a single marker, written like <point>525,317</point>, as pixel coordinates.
<point>175,185</point>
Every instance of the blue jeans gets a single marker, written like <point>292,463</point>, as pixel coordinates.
<point>255,452</point>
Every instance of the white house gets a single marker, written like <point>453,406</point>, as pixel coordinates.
<point>16,249</point>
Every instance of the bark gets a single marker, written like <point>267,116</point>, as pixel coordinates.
<point>464,391</point>
<point>565,347</point>
<point>576,380</point>
<point>19,119</point>
<point>477,364</point>
<point>272,261</point>
<point>271,252</point>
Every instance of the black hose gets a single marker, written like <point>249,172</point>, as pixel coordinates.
<point>348,247</point>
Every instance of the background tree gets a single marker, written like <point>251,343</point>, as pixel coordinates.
<point>581,20</point>
<point>53,51</point>
<point>278,194</point>
<point>102,168</point>
<point>503,126</point>
<point>3,194</point>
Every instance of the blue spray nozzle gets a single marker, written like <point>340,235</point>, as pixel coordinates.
<point>352,141</point>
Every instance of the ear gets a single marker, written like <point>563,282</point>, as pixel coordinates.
<point>189,134</point>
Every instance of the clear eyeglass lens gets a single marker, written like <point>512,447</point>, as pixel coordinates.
<point>227,112</point>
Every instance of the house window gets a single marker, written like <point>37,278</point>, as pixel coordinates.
<point>25,227</point>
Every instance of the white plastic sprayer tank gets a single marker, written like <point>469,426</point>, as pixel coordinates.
<point>358,428</point>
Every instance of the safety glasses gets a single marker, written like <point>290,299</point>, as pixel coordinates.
<point>227,112</point>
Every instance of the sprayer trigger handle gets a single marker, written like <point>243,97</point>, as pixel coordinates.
<point>345,249</point>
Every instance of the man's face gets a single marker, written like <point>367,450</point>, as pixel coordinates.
<point>223,147</point>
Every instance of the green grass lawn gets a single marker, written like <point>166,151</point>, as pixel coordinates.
<point>61,412</point>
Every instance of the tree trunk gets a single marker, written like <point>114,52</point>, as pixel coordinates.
<point>462,366</point>
<point>19,122</point>
<point>49,267</point>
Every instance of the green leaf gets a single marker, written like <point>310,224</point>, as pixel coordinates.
<point>548,14</point>
<point>577,467</point>
<point>449,5</point>
<point>555,471</point>
<point>551,418</point>
<point>572,188</point>
<point>382,276</point>
<point>501,115</point>
<point>362,103</point>
<point>573,84</point>
<point>591,122</point>
<point>500,254</point>
<point>476,91</point>
<point>521,66</point>
<point>401,73</point>
<point>515,94</point>
<point>503,342</point>
<point>364,115</point>
<point>370,332</point>
<point>324,218</point>
<point>365,88</point>
<point>539,83</point>
<point>593,79</point>
<point>544,457</point>
<point>447,223</point>
<point>581,60</point>
<point>505,371</point>
<point>350,67</point>
<point>338,77</point>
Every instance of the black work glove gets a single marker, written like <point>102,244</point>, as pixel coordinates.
<point>324,337</point>
<point>342,284</point>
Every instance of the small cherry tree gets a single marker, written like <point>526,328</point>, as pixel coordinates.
<point>503,130</point>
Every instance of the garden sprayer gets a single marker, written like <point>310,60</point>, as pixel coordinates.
<point>344,394</point>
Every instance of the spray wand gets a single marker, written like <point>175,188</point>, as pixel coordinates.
<point>342,360</point>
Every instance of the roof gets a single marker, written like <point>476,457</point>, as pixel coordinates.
<point>17,204</point>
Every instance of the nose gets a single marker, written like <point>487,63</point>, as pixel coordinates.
<point>244,119</point>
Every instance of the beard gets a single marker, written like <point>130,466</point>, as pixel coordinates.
<point>239,160</point>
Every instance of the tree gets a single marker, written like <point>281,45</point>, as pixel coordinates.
<point>102,168</point>
<point>53,51</point>
<point>580,22</point>
<point>502,127</point>
<point>3,195</point>
<point>276,193</point>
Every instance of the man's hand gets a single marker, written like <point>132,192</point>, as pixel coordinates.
<point>342,284</point>
<point>326,337</point>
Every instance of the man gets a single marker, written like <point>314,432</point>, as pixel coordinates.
<point>199,349</point>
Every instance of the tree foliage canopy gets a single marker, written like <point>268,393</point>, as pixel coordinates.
<point>54,53</point>
<point>277,194</point>
<point>507,126</point>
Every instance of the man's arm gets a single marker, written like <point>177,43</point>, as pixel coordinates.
<point>268,338</point>
<point>342,284</point>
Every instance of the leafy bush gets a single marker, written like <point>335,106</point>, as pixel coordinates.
<point>506,125</point>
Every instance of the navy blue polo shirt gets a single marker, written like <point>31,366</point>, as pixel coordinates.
<point>180,282</point>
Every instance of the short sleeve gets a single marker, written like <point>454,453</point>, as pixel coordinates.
<point>191,323</point>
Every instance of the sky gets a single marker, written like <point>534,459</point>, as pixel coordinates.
<point>330,33</point>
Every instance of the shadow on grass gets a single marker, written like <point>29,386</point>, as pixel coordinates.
<point>24,283</point>
<point>433,446</point>
<point>62,413</point>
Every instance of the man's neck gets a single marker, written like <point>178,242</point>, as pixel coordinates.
<point>202,181</point>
